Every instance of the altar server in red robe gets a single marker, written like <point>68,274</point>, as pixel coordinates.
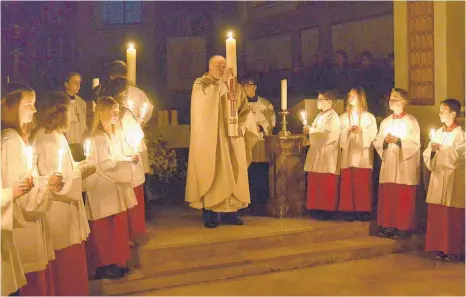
<point>358,130</point>
<point>110,195</point>
<point>66,216</point>
<point>322,161</point>
<point>445,158</point>
<point>398,144</point>
<point>31,230</point>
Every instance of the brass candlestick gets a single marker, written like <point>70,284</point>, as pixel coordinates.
<point>284,132</point>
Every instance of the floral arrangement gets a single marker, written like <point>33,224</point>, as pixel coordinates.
<point>164,164</point>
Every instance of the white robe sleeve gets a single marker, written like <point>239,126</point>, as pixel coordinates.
<point>448,157</point>
<point>326,135</point>
<point>380,139</point>
<point>7,209</point>
<point>428,159</point>
<point>116,171</point>
<point>412,142</point>
<point>368,130</point>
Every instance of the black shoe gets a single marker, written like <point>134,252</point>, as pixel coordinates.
<point>124,270</point>
<point>400,234</point>
<point>365,216</point>
<point>110,271</point>
<point>210,218</point>
<point>349,216</point>
<point>325,215</point>
<point>386,232</point>
<point>231,218</point>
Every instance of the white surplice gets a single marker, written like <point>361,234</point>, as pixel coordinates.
<point>110,189</point>
<point>130,136</point>
<point>33,238</point>
<point>77,113</point>
<point>324,147</point>
<point>446,186</point>
<point>67,215</point>
<point>11,270</point>
<point>264,114</point>
<point>399,165</point>
<point>356,149</point>
<point>217,166</point>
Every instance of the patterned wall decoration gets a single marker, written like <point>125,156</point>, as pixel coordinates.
<point>421,52</point>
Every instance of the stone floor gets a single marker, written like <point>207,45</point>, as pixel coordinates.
<point>413,273</point>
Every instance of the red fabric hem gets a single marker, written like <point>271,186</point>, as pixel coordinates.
<point>397,206</point>
<point>322,191</point>
<point>355,189</point>
<point>136,215</point>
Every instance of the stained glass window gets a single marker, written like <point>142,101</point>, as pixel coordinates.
<point>121,12</point>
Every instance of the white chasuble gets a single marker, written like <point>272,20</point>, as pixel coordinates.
<point>356,148</point>
<point>400,165</point>
<point>446,186</point>
<point>31,229</point>
<point>109,190</point>
<point>67,215</point>
<point>217,166</point>
<point>77,113</point>
<point>131,136</point>
<point>324,136</point>
<point>12,272</point>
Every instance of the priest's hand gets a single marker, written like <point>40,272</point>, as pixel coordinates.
<point>355,129</point>
<point>135,159</point>
<point>56,182</point>
<point>435,147</point>
<point>226,74</point>
<point>23,187</point>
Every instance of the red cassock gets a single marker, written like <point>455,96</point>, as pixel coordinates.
<point>445,229</point>
<point>136,215</point>
<point>39,283</point>
<point>108,242</point>
<point>355,189</point>
<point>397,206</point>
<point>322,191</point>
<point>69,271</point>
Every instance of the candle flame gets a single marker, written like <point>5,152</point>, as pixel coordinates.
<point>432,134</point>
<point>131,46</point>
<point>230,34</point>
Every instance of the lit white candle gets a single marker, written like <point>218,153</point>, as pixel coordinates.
<point>87,148</point>
<point>29,158</point>
<point>231,54</point>
<point>95,82</point>
<point>284,89</point>
<point>61,154</point>
<point>354,118</point>
<point>304,117</point>
<point>432,134</point>
<point>143,111</point>
<point>131,63</point>
<point>130,104</point>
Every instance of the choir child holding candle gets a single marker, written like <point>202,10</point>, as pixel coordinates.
<point>358,130</point>
<point>398,144</point>
<point>444,157</point>
<point>130,135</point>
<point>322,161</point>
<point>30,224</point>
<point>12,272</point>
<point>217,180</point>
<point>77,115</point>
<point>110,195</point>
<point>66,216</point>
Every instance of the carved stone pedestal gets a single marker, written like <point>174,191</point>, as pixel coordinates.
<point>286,176</point>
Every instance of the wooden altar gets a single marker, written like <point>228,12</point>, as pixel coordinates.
<point>287,185</point>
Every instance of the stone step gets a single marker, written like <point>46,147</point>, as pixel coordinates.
<point>178,273</point>
<point>159,252</point>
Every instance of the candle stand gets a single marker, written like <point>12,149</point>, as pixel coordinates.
<point>284,133</point>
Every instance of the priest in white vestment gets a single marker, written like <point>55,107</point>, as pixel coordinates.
<point>66,216</point>
<point>77,115</point>
<point>322,160</point>
<point>217,180</point>
<point>444,157</point>
<point>110,195</point>
<point>31,229</point>
<point>398,144</point>
<point>358,130</point>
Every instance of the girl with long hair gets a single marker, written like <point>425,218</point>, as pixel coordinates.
<point>358,130</point>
